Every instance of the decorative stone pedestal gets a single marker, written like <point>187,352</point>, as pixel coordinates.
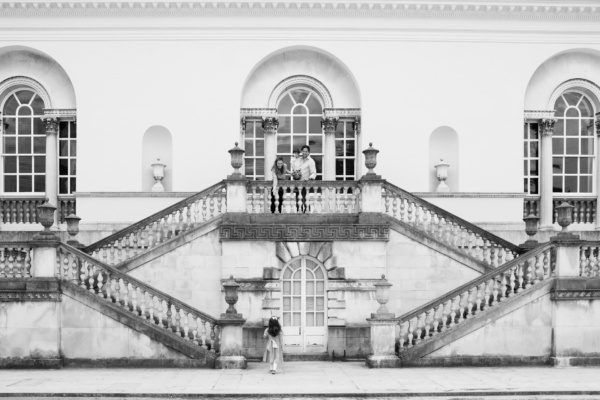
<point>383,339</point>
<point>231,342</point>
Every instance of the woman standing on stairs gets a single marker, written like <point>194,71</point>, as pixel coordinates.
<point>274,349</point>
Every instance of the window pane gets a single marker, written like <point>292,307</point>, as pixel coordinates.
<point>24,145</point>
<point>559,128</point>
<point>40,183</point>
<point>339,167</point>
<point>525,169</point>
<point>299,110</point>
<point>63,185</point>
<point>310,289</point>
<point>287,319</point>
<point>248,147</point>
<point>525,130</point>
<point>39,145</point>
<point>10,145</point>
<point>533,186</point>
<point>10,165</point>
<point>572,112</point>
<point>63,130</point>
<point>572,98</point>
<point>572,146</point>
<point>285,105</point>
<point>39,164</point>
<point>38,127</point>
<point>249,166</point>
<point>10,108</point>
<point>533,131</point>
<point>73,130</point>
<point>24,110</point>
<point>585,184</point>
<point>73,185</point>
<point>10,184</point>
<point>558,146</point>
<point>24,96</point>
<point>350,167</point>
<point>287,304</point>
<point>320,319</point>
<point>310,304</point>
<point>300,125</point>
<point>260,166</point>
<point>259,131</point>
<point>310,319</point>
<point>296,289</point>
<point>586,108</point>
<point>557,186</point>
<point>284,144</point>
<point>25,183</point>
<point>287,286</point>
<point>296,318</point>
<point>585,165</point>
<point>320,289</point>
<point>24,126</point>
<point>299,141</point>
<point>320,300</point>
<point>350,151</point>
<point>339,148</point>
<point>314,105</point>
<point>587,127</point>
<point>533,167</point>
<point>63,167</point>
<point>73,148</point>
<point>315,143</point>
<point>314,125</point>
<point>587,146</point>
<point>560,107</point>
<point>570,184</point>
<point>25,164</point>
<point>557,165</point>
<point>10,125</point>
<point>570,165</point>
<point>572,127</point>
<point>525,149</point>
<point>296,303</point>
<point>299,95</point>
<point>38,105</point>
<point>318,163</point>
<point>285,125</point>
<point>63,148</point>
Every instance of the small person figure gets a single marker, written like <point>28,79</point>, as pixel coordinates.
<point>296,165</point>
<point>274,350</point>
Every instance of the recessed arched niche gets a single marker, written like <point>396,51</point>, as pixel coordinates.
<point>575,69</point>
<point>443,145</point>
<point>157,144</point>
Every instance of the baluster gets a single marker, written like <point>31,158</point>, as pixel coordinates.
<point>83,271</point>
<point>27,211</point>
<point>169,315</point>
<point>220,204</point>
<point>420,324</point>
<point>18,267</point>
<point>546,266</point>
<point>512,282</point>
<point>395,207</point>
<point>402,209</point>
<point>143,303</point>
<point>519,278</point>
<point>91,280</point>
<point>117,291</point>
<point>186,327</point>
<point>112,254</point>
<point>27,263</point>
<point>438,318</point>
<point>454,305</point>
<point>418,211</point>
<point>128,246</point>
<point>134,302</point>
<point>470,299</point>
<point>485,254</point>
<point>195,327</point>
<point>403,335</point>
<point>8,269</point>
<point>119,258</point>
<point>485,294</point>
<point>151,308</point>
<point>596,264</point>
<point>427,322</point>
<point>386,201</point>
<point>584,262</point>
<point>211,206</point>
<point>2,262</point>
<point>177,321</point>
<point>462,306</point>
<point>529,265</point>
<point>593,216</point>
<point>125,294</point>
<point>410,211</point>
<point>411,329</point>
<point>204,334</point>
<point>161,314</point>
<point>446,311</point>
<point>478,299</point>
<point>108,286</point>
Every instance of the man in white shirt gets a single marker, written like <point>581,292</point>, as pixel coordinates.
<point>308,171</point>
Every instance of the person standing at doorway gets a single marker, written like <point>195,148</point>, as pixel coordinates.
<point>274,349</point>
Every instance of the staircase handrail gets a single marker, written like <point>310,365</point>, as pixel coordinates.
<point>497,272</point>
<point>153,218</point>
<point>454,218</point>
<point>131,280</point>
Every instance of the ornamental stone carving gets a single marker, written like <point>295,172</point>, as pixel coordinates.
<point>50,124</point>
<point>310,233</point>
<point>548,126</point>
<point>356,126</point>
<point>329,124</point>
<point>270,125</point>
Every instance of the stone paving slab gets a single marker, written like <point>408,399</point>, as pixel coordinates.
<point>306,380</point>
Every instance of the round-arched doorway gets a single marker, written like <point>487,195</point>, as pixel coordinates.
<point>304,308</point>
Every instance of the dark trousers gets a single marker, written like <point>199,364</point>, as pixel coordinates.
<point>277,200</point>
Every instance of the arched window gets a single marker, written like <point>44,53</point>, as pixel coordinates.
<point>23,143</point>
<point>300,113</point>
<point>573,144</point>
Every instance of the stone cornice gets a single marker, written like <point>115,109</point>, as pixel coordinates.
<point>583,10</point>
<point>538,114</point>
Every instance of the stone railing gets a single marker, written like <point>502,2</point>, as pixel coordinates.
<point>66,206</point>
<point>463,303</point>
<point>446,227</point>
<point>310,197</point>
<point>15,260</point>
<point>136,297</point>
<point>531,206</point>
<point>584,211</point>
<point>161,226</point>
<point>22,210</point>
<point>589,260</point>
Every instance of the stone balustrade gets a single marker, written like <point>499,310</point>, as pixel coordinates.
<point>66,206</point>
<point>531,206</point>
<point>446,227</point>
<point>584,211</point>
<point>15,260</point>
<point>136,297</point>
<point>161,227</point>
<point>310,197</point>
<point>463,303</point>
<point>22,210</point>
<point>589,265</point>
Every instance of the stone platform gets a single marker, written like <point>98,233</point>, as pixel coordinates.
<point>306,380</point>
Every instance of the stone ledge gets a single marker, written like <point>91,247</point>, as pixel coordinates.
<point>477,361</point>
<point>29,363</point>
<point>575,361</point>
<point>131,363</point>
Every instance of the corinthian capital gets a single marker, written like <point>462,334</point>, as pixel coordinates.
<point>270,124</point>
<point>548,126</point>
<point>51,124</point>
<point>329,124</point>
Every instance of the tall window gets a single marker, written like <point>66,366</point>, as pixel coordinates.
<point>345,151</point>
<point>300,113</point>
<point>531,163</point>
<point>67,158</point>
<point>573,144</point>
<point>23,143</point>
<point>254,145</point>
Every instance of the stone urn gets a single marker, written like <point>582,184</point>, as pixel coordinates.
<point>158,171</point>
<point>441,173</point>
<point>236,159</point>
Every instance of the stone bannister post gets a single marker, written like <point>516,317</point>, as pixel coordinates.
<point>236,183</point>
<point>383,331</point>
<point>370,183</point>
<point>231,331</point>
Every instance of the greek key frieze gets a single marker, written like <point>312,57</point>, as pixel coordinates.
<point>29,296</point>
<point>304,232</point>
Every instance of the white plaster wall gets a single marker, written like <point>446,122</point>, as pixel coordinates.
<point>191,273</point>
<point>31,329</point>
<point>87,333</point>
<point>577,328</point>
<point>526,332</point>
<point>419,274</point>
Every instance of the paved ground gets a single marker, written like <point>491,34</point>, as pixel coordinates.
<point>304,379</point>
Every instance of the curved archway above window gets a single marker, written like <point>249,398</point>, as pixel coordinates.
<point>300,81</point>
<point>589,88</point>
<point>22,82</point>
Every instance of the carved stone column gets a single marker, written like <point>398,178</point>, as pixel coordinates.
<point>597,122</point>
<point>546,175</point>
<point>270,125</point>
<point>51,125</point>
<point>329,125</point>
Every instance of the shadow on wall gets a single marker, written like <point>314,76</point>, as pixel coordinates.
<point>157,144</point>
<point>443,144</point>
